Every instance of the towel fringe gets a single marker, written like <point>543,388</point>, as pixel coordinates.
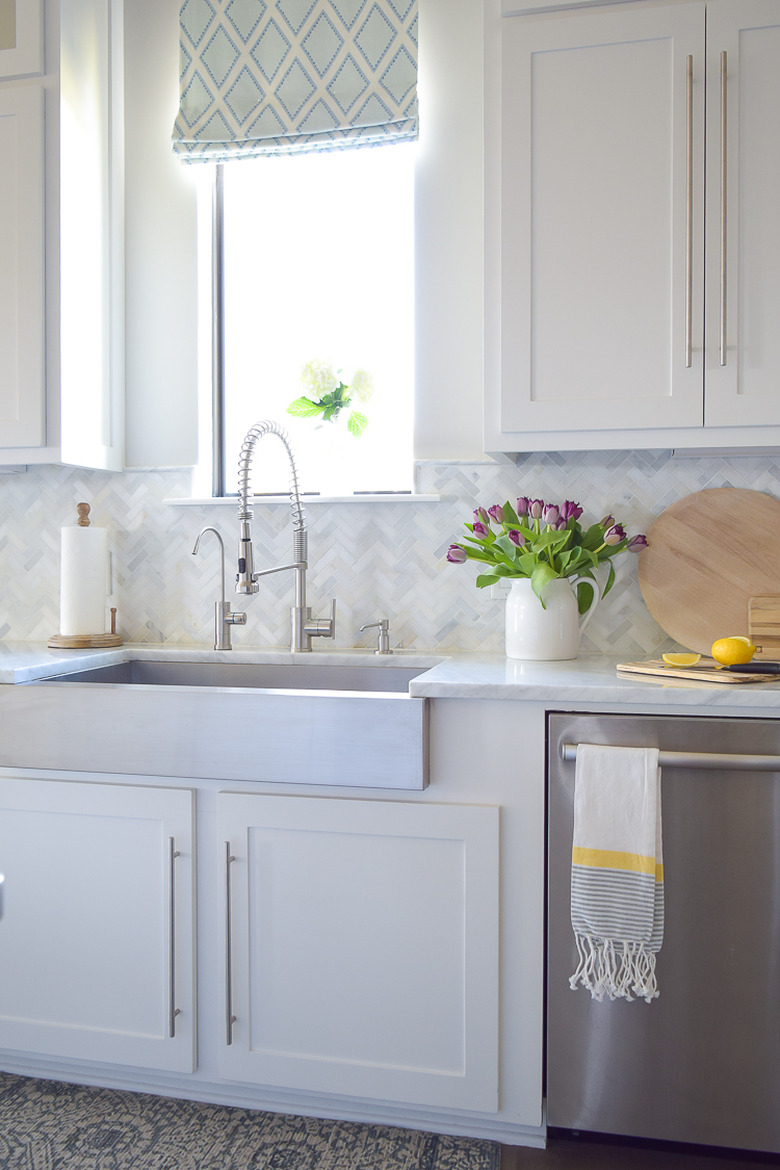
<point>614,969</point>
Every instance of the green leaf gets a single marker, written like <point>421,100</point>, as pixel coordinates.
<point>511,517</point>
<point>541,576</point>
<point>356,423</point>
<point>586,591</point>
<point>304,408</point>
<point>485,579</point>
<point>610,580</point>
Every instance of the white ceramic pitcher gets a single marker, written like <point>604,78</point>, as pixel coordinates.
<point>547,634</point>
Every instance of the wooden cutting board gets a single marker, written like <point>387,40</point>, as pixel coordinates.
<point>708,555</point>
<point>703,673</point>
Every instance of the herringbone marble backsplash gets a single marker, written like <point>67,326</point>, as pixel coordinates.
<point>377,559</point>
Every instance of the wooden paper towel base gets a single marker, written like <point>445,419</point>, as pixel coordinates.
<point>83,641</point>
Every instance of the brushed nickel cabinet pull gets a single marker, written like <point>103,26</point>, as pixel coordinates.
<point>689,210</point>
<point>723,204</point>
<point>173,1011</point>
<point>230,1019</point>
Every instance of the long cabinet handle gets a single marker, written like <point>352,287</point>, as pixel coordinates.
<point>230,1019</point>
<point>2,884</point>
<point>723,204</point>
<point>173,1011</point>
<point>689,210</point>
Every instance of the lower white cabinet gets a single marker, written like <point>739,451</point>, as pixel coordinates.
<point>361,948</point>
<point>97,932</point>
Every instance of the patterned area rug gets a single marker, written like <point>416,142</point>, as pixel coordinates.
<point>46,1125</point>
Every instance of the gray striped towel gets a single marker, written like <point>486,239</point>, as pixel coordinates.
<point>617,891</point>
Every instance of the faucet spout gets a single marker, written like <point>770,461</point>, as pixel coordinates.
<point>303,628</point>
<point>224,617</point>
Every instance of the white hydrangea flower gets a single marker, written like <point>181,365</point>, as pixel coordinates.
<point>362,386</point>
<point>319,378</point>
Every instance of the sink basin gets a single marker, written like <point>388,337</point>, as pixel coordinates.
<point>264,675</point>
<point>307,723</point>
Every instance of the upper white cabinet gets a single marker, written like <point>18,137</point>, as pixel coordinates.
<point>600,180</point>
<point>22,304</point>
<point>61,197</point>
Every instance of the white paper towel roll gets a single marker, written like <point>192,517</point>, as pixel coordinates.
<point>83,581</point>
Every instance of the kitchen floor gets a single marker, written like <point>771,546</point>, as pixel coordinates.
<point>600,1152</point>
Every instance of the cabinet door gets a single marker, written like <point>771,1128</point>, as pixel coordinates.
<point>96,938</point>
<point>599,256</point>
<point>743,197</point>
<point>21,267</point>
<point>362,948</point>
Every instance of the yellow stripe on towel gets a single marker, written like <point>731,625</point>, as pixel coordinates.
<point>614,859</point>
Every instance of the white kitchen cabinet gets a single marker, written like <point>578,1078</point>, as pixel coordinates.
<point>22,365</point>
<point>598,269</point>
<point>362,948</point>
<point>742,296</point>
<point>97,932</point>
<point>61,357</point>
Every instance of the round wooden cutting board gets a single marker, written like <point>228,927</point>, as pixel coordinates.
<point>708,554</point>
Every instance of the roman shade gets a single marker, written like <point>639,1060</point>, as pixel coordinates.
<point>266,77</point>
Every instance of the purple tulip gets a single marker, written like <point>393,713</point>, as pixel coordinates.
<point>523,504</point>
<point>535,509</point>
<point>516,537</point>
<point>570,510</point>
<point>481,516</point>
<point>456,555</point>
<point>559,527</point>
<point>615,534</point>
<point>608,521</point>
<point>480,529</point>
<point>637,542</point>
<point>497,512</point>
<point>551,514</point>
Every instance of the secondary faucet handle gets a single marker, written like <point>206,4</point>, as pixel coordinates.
<point>322,627</point>
<point>383,637</point>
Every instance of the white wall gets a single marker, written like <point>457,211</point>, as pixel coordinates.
<point>161,236</point>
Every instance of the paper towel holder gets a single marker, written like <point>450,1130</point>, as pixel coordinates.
<point>86,641</point>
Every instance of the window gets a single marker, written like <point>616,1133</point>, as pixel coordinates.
<point>318,263</point>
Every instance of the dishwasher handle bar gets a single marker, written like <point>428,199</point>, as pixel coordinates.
<point>740,763</point>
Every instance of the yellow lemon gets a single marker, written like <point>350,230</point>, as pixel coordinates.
<point>681,659</point>
<point>728,651</point>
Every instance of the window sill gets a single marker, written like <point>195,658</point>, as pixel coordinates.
<point>381,498</point>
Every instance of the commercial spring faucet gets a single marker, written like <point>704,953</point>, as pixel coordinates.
<point>303,626</point>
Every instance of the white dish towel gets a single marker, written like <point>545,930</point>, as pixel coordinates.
<point>617,892</point>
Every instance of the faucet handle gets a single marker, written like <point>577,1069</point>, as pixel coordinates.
<point>383,637</point>
<point>322,627</point>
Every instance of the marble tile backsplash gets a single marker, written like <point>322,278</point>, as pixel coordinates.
<point>378,559</point>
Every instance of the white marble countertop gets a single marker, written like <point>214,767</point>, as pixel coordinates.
<point>589,680</point>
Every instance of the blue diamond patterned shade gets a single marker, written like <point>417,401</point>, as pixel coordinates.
<point>287,76</point>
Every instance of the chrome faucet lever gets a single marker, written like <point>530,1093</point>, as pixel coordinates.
<point>383,637</point>
<point>224,617</point>
<point>302,626</point>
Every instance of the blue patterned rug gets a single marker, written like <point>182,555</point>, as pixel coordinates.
<point>47,1125</point>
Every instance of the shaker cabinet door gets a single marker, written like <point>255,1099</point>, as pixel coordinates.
<point>22,390</point>
<point>601,220</point>
<point>743,225</point>
<point>96,937</point>
<point>362,948</point>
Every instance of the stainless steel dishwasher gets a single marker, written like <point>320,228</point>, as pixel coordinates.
<point>702,1062</point>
